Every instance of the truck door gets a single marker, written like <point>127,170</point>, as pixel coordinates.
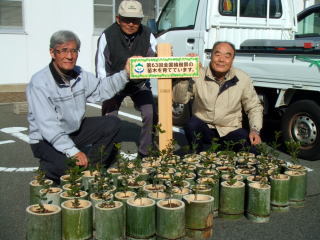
<point>180,24</point>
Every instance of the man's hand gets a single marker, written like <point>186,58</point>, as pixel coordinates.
<point>254,138</point>
<point>82,159</point>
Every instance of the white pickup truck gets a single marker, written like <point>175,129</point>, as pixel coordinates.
<point>285,71</point>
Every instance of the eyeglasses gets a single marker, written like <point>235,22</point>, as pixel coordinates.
<point>132,20</point>
<point>65,51</point>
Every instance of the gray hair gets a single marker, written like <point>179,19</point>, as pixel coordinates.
<point>64,36</point>
<point>219,42</point>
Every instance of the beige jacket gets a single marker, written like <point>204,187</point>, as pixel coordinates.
<point>220,106</point>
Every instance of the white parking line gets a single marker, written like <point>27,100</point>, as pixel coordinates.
<point>16,132</point>
<point>6,142</point>
<point>128,115</point>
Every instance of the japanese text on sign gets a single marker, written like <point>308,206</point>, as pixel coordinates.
<point>168,67</point>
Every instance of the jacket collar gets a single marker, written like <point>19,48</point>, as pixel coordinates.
<point>229,81</point>
<point>209,76</point>
<point>74,74</point>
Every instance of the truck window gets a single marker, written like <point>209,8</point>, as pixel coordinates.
<point>309,26</point>
<point>251,8</point>
<point>178,14</point>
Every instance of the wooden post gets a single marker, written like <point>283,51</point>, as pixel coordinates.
<point>165,101</point>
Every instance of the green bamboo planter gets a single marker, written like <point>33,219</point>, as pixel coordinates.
<point>67,186</point>
<point>297,188</point>
<point>136,186</point>
<point>64,196</point>
<point>141,218</point>
<point>87,175</point>
<point>226,177</point>
<point>123,197</point>
<point>64,179</point>
<point>34,188</point>
<point>225,169</point>
<point>232,200</point>
<point>43,225</point>
<point>170,219</point>
<point>259,202</point>
<point>154,187</point>
<point>215,192</point>
<point>178,193</point>
<point>280,193</point>
<point>94,199</point>
<point>115,174</point>
<point>199,216</point>
<point>110,223</point>
<point>76,222</point>
<point>53,196</point>
<point>157,196</point>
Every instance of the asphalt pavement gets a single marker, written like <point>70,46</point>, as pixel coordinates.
<point>17,163</point>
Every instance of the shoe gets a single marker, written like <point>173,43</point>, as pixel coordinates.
<point>141,155</point>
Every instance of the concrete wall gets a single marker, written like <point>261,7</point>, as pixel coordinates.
<point>23,54</point>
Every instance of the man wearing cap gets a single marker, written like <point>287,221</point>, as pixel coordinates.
<point>125,38</point>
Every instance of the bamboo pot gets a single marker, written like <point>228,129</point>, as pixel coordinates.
<point>170,220</point>
<point>64,196</point>
<point>34,188</point>
<point>141,218</point>
<point>259,202</point>
<point>94,199</point>
<point>178,193</point>
<point>43,225</point>
<point>297,188</point>
<point>53,196</point>
<point>110,223</point>
<point>86,177</point>
<point>157,196</point>
<point>199,216</point>
<point>232,200</point>
<point>76,222</point>
<point>280,193</point>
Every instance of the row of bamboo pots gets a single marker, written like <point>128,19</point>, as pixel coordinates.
<point>145,219</point>
<point>228,198</point>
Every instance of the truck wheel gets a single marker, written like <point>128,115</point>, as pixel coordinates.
<point>301,122</point>
<point>180,113</point>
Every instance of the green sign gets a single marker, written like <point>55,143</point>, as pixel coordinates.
<point>164,67</point>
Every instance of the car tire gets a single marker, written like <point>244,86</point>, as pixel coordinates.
<point>301,122</point>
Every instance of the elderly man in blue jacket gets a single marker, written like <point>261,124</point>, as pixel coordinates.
<point>57,97</point>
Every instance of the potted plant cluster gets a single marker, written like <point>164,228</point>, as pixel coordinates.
<point>181,195</point>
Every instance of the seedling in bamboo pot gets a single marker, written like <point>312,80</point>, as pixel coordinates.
<point>74,192</point>
<point>279,191</point>
<point>110,220</point>
<point>140,220</point>
<point>297,188</point>
<point>43,220</point>
<point>232,195</point>
<point>36,185</point>
<point>199,216</point>
<point>76,219</point>
<point>135,183</point>
<point>52,194</point>
<point>213,184</point>
<point>259,201</point>
<point>293,147</point>
<point>170,219</point>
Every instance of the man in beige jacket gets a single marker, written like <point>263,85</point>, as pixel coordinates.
<point>219,96</point>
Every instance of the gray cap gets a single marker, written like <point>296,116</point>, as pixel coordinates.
<point>130,8</point>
